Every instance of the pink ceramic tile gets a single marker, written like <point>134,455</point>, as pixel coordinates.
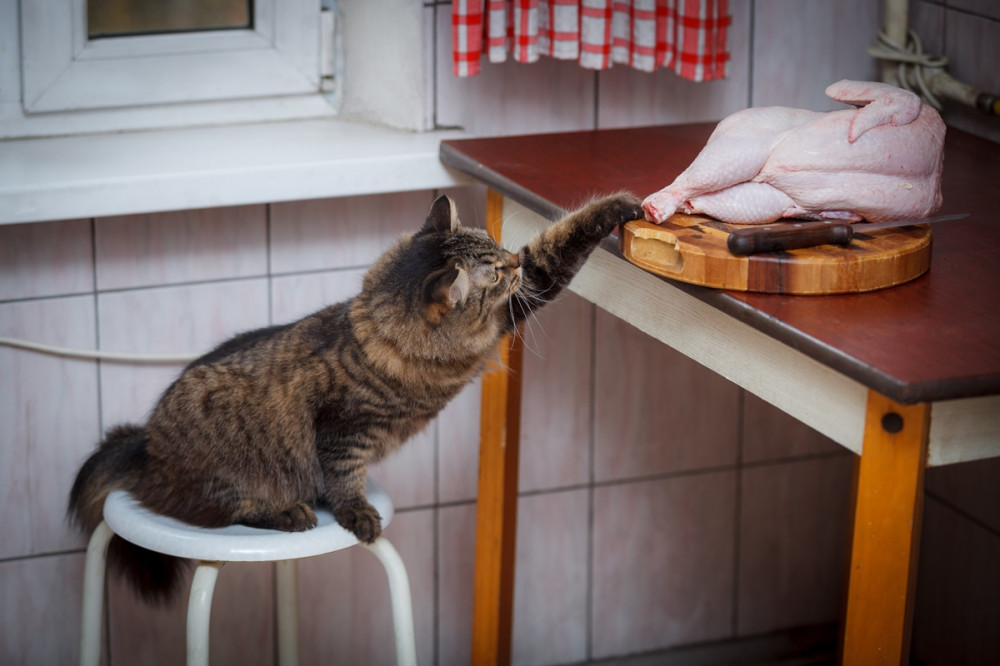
<point>794,541</point>
<point>957,606</point>
<point>48,405</point>
<point>512,98</point>
<point>184,246</point>
<point>458,446</point>
<point>769,433</point>
<point>550,594</point>
<point>556,395</point>
<point>802,46</point>
<point>45,259</point>
<point>183,319</point>
<point>142,634</point>
<point>241,628</point>
<point>40,610</point>
<point>471,203</point>
<point>243,615</point>
<point>630,97</point>
<point>663,563</point>
<point>656,410</point>
<point>429,28</point>
<point>984,8</point>
<point>345,232</point>
<point>408,474</point>
<point>344,607</point>
<point>927,20</point>
<point>295,296</point>
<point>972,487</point>
<point>456,570</point>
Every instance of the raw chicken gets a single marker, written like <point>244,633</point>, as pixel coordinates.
<point>881,161</point>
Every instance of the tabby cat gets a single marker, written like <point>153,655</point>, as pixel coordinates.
<point>281,419</point>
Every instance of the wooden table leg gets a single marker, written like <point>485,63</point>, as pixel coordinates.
<point>496,504</point>
<point>888,512</point>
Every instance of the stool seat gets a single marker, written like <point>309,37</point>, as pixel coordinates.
<point>211,548</point>
<point>233,543</point>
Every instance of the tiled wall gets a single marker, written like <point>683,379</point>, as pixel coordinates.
<point>661,505</point>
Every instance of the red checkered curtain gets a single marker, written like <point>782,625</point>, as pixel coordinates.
<point>690,37</point>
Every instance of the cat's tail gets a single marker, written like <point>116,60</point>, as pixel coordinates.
<point>120,463</point>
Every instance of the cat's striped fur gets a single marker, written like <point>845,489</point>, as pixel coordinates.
<point>277,420</point>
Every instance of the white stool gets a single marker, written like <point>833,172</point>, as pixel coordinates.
<point>211,548</point>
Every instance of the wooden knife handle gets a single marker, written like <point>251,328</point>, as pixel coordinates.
<point>788,236</point>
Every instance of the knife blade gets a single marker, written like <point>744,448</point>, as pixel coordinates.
<point>794,235</point>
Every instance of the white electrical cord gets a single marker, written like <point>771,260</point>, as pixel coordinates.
<point>913,64</point>
<point>98,354</point>
<point>924,74</point>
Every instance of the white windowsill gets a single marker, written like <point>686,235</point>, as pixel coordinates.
<point>144,172</point>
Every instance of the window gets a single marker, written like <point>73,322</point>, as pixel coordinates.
<point>64,69</point>
<point>117,18</point>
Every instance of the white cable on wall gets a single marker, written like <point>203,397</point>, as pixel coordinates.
<point>98,354</point>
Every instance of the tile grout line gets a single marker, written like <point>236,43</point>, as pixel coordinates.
<point>268,263</point>
<point>187,283</point>
<point>957,510</point>
<point>591,455</point>
<point>753,6</point>
<point>737,509</point>
<point>97,326</point>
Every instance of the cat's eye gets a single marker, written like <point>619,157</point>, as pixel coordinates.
<point>496,274</point>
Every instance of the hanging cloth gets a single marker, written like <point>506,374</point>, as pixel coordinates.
<point>689,37</point>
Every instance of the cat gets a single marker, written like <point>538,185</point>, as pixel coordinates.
<point>278,420</point>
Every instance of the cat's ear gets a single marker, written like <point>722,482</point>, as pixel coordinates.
<point>447,291</point>
<point>442,217</point>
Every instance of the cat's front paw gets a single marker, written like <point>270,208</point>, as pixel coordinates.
<point>362,519</point>
<point>618,209</point>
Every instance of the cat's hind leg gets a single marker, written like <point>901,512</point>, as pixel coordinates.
<point>297,517</point>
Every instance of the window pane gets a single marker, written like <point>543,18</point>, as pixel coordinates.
<point>116,18</point>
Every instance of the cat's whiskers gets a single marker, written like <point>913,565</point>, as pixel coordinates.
<point>529,314</point>
<point>526,324</point>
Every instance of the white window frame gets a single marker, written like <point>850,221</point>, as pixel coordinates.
<point>63,70</point>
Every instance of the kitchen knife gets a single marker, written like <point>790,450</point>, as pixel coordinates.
<point>793,235</point>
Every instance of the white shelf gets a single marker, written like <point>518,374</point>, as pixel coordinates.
<point>144,172</point>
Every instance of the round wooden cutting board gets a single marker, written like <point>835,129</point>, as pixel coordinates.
<point>692,248</point>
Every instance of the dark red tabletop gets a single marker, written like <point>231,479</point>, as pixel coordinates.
<point>935,338</point>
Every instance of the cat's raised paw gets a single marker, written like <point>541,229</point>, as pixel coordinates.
<point>618,209</point>
<point>363,520</point>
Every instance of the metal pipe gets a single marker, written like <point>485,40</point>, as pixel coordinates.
<point>904,64</point>
<point>895,28</point>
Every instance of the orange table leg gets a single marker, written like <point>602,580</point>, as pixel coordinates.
<point>888,512</point>
<point>496,504</point>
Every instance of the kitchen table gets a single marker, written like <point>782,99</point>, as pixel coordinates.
<point>906,377</point>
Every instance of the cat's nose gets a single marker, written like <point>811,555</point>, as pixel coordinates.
<point>513,260</point>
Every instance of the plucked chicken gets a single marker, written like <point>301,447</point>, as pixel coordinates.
<point>879,161</point>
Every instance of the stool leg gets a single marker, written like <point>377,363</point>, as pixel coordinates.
<point>93,595</point>
<point>200,612</point>
<point>286,574</point>
<point>402,604</point>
